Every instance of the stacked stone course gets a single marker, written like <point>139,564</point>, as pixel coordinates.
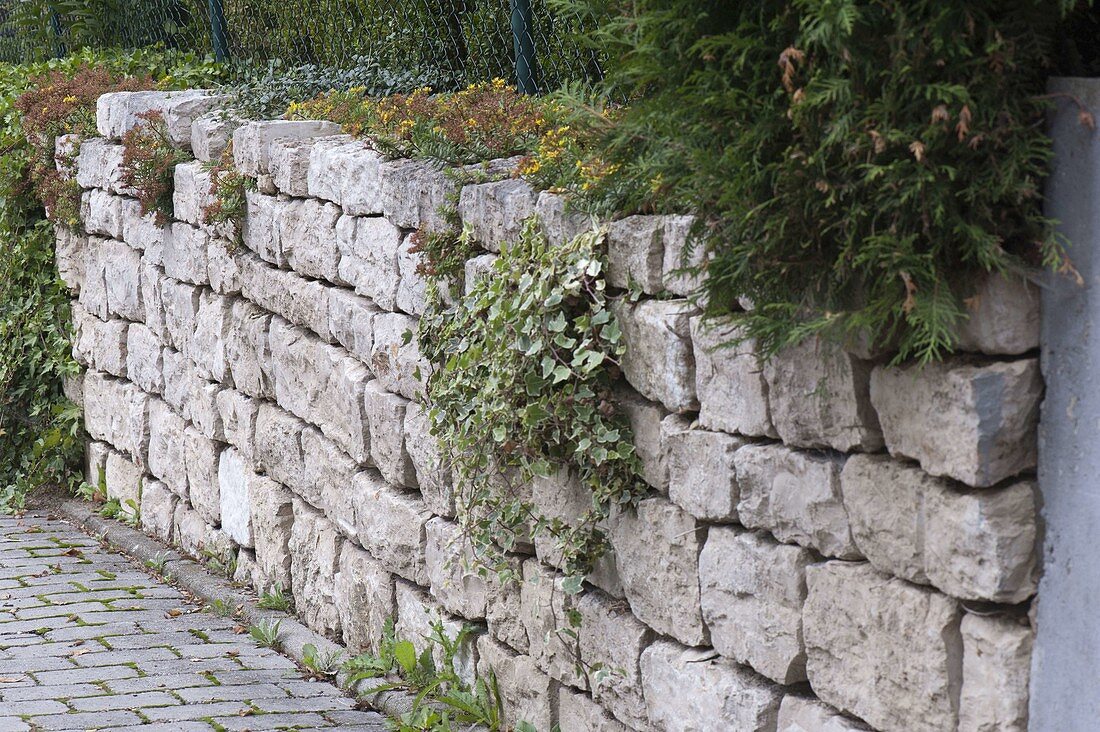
<point>830,543</point>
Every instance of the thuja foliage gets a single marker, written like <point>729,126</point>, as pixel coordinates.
<point>522,390</point>
<point>856,166</point>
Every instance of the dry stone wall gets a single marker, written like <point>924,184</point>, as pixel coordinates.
<point>829,544</point>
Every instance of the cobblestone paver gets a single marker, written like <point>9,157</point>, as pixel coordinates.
<point>88,641</point>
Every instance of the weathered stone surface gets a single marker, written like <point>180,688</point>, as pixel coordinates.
<point>289,165</point>
<point>197,538</point>
<point>102,213</point>
<point>417,613</point>
<point>118,112</point>
<point>613,639</point>
<point>650,439</point>
<point>1003,317</point>
<point>117,412</point>
<point>167,459</point>
<point>248,350</point>
<point>328,481</point>
<point>123,480</point>
<point>369,257</point>
<point>820,397</point>
<point>412,290</point>
<point>969,420</point>
<point>348,175</point>
<point>181,309</point>
<point>93,291</point>
<point>495,212</point>
<point>546,610</point>
<point>143,358</point>
<point>207,348</point>
<point>158,508</point>
<point>702,479</point>
<point>504,605</point>
<point>477,269</point>
<point>102,344</point>
<point>996,670</point>
<point>753,589</point>
<point>729,379</point>
<point>69,248</point>
<point>386,416</point>
<point>99,165</point>
<point>279,444</point>
<point>307,238</point>
<point>234,482</point>
<point>797,714</point>
<point>95,464</point>
<point>659,362</point>
<point>185,254</point>
<point>202,456</point>
<point>152,299</point>
<point>684,255</point>
<point>181,383</point>
<point>396,362</point>
<point>252,141</point>
<point>636,252</point>
<point>122,276</point>
<point>302,301</point>
<point>796,495</point>
<point>364,599</point>
<point>413,192</point>
<point>210,135</point>
<point>578,713</point>
<point>142,232</point>
<point>237,412</point>
<point>191,192</point>
<point>260,228</point>
<point>202,409</point>
<point>351,322</point>
<point>315,546</point>
<point>526,692</point>
<point>881,649</point>
<point>391,526</point>
<point>657,549</point>
<point>433,473</point>
<point>560,221</point>
<point>222,270</point>
<point>689,690</point>
<point>272,514</point>
<point>452,572</point>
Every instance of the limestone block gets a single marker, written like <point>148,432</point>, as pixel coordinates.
<point>820,397</point>
<point>796,495</point>
<point>202,457</point>
<point>237,412</point>
<point>122,277</point>
<point>279,445</point>
<point>73,388</point>
<point>235,479</point>
<point>996,669</point>
<point>692,690</point>
<point>477,269</point>
<point>142,232</point>
<point>260,228</point>
<point>252,141</point>
<point>657,549</point>
<point>211,134</point>
<point>645,419</point>
<point>613,639</point>
<point>118,112</point>
<point>351,322</point>
<point>289,165</point>
<point>202,409</point>
<point>117,412</point>
<point>181,383</point>
<point>222,269</point>
<point>307,238</point>
<point>181,310</point>
<point>368,257</point>
<point>729,379</point>
<point>685,255</point>
<point>247,572</point>
<point>95,465</point>
<point>167,459</point>
<point>207,348</point>
<point>158,508</point>
<point>152,299</point>
<point>418,616</point>
<point>102,213</point>
<point>414,192</point>
<point>315,547</point>
<point>882,649</point>
<point>412,290</point>
<point>504,606</point>
<point>293,356</point>
<point>69,248</point>
<point>123,480</point>
<point>561,221</point>
<point>974,421</point>
<point>101,344</point>
<point>753,589</point>
<point>659,362</point>
<point>1003,317</point>
<point>797,714</point>
<point>185,254</point>
<point>93,292</point>
<point>194,536</point>
<point>702,478</point>
<point>390,525</point>
<point>272,515</point>
<point>302,301</point>
<point>526,692</point>
<point>496,212</point>
<point>99,165</point>
<point>433,473</point>
<point>144,365</point>
<point>386,416</point>
<point>636,252</point>
<point>546,615</point>
<point>248,350</point>
<point>191,193</point>
<point>348,175</point>
<point>328,481</point>
<point>578,713</point>
<point>452,570</point>
<point>395,360</point>
<point>364,599</point>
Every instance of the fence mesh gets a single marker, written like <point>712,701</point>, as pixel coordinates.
<point>440,42</point>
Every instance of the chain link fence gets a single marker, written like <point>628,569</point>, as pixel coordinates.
<point>446,43</point>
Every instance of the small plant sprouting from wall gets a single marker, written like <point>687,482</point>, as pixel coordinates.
<point>149,164</point>
<point>228,190</point>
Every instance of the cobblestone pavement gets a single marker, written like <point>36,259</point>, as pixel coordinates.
<point>88,641</point>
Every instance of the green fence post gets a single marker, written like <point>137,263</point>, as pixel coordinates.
<point>217,30</point>
<point>59,34</point>
<point>523,38</point>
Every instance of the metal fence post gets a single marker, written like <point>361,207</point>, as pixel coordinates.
<point>217,30</point>
<point>523,38</point>
<point>59,33</point>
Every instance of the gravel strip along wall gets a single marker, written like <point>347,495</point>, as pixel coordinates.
<point>829,544</point>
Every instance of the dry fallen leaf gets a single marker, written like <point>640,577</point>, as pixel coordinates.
<point>173,613</point>
<point>10,679</point>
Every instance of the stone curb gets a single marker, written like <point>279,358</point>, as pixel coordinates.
<point>210,588</point>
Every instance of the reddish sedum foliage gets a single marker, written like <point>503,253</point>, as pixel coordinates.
<point>227,192</point>
<point>149,164</point>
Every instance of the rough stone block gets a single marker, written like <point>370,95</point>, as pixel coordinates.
<point>181,309</point>
<point>279,445</point>
<point>95,464</point>
<point>613,639</point>
<point>882,649</point>
<point>477,269</point>
<point>289,165</point>
<point>412,290</point>
<point>248,350</point>
<point>202,456</point>
<point>237,412</point>
<point>546,609</point>
<point>102,213</point>
<point>167,459</point>
<point>650,438</point>
<point>302,301</point>
<point>69,248</point>
<point>144,365</point>
<point>690,690</point>
<point>315,546</point>
<point>272,514</point>
<point>526,692</point>
<point>636,252</point>
<point>659,362</point>
<point>103,344</point>
<point>452,570</point>
<point>369,257</point>
<point>578,713</point>
<point>685,257</point>
<point>417,617</point>
<point>142,232</point>
<point>504,606</point>
<point>202,409</point>
<point>364,599</point>
<point>260,228</point>
<point>561,222</point>
<point>657,549</point>
<point>207,348</point>
<point>252,141</point>
<point>496,212</point>
<point>211,134</point>
<point>195,537</point>
<point>414,192</point>
<point>820,397</point>
<point>222,270</point>
<point>802,715</point>
<point>99,165</point>
<point>123,480</point>
<point>729,379</point>
<point>396,361</point>
<point>348,175</point>
<point>969,420</point>
<point>235,479</point>
<point>433,473</point>
<point>93,292</point>
<point>185,254</point>
<point>152,299</point>
<point>122,276</point>
<point>996,670</point>
<point>191,192</point>
<point>351,322</point>
<point>390,525</point>
<point>796,495</point>
<point>307,238</point>
<point>753,589</point>
<point>158,508</point>
<point>118,112</point>
<point>117,412</point>
<point>328,481</point>
<point>1003,317</point>
<point>702,477</point>
<point>386,416</point>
